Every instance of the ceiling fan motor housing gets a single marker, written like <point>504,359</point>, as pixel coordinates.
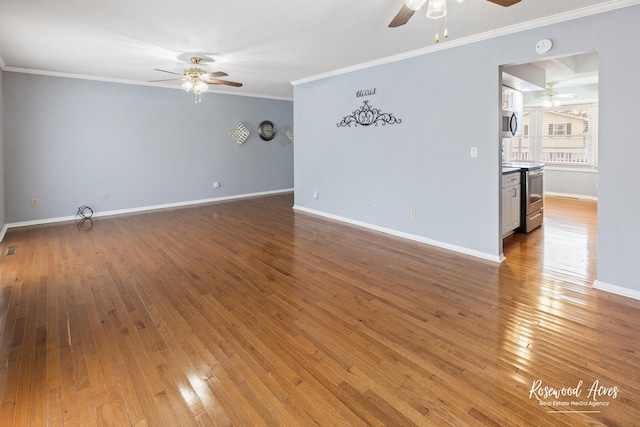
<point>193,72</point>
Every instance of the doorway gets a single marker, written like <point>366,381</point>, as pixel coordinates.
<point>560,121</point>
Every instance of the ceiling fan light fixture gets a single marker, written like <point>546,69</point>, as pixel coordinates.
<point>436,9</point>
<point>200,87</point>
<point>195,82</point>
<point>187,86</point>
<point>550,100</point>
<point>414,4</point>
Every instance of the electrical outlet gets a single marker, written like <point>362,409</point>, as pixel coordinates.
<point>34,203</point>
<point>216,184</point>
<point>370,205</point>
<point>316,195</point>
<point>413,213</point>
<point>474,152</point>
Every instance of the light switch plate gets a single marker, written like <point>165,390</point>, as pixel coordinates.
<point>474,151</point>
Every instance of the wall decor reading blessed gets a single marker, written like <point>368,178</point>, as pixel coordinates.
<point>367,115</point>
<point>366,92</point>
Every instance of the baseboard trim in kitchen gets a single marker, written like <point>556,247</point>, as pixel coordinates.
<point>618,290</point>
<point>571,196</point>
<point>408,236</point>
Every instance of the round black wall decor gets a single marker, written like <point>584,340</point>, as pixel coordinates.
<point>266,130</point>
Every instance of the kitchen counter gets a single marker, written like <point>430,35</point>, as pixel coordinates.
<point>506,170</point>
<point>522,166</point>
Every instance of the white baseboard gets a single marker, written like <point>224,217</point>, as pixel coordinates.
<point>618,290</point>
<point>571,196</point>
<point>143,209</point>
<point>3,232</point>
<point>404,235</point>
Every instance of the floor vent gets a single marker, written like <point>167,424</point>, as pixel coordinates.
<point>12,250</point>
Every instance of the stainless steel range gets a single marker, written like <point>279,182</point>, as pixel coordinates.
<point>531,199</point>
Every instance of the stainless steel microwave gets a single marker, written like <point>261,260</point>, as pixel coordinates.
<point>511,124</point>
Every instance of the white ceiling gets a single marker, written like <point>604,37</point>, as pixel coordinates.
<point>266,44</point>
<point>572,79</point>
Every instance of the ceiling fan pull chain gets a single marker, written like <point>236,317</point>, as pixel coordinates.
<point>446,31</point>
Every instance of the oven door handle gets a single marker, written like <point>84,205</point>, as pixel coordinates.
<point>536,216</point>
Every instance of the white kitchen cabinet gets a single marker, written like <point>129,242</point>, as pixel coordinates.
<point>512,100</point>
<point>512,113</point>
<point>510,202</point>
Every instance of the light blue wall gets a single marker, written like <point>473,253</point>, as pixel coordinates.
<point>448,101</point>
<point>2,191</point>
<point>142,146</point>
<point>619,151</point>
<point>571,183</point>
<point>418,164</point>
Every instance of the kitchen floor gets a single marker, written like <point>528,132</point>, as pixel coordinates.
<point>564,247</point>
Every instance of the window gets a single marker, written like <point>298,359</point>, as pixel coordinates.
<point>560,135</point>
<point>559,129</point>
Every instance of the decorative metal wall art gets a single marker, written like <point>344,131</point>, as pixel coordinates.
<point>366,115</point>
<point>289,133</point>
<point>239,133</point>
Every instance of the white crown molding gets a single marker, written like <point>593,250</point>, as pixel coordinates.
<point>536,23</point>
<point>413,237</point>
<point>127,82</point>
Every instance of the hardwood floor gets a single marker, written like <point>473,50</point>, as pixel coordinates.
<point>565,248</point>
<point>247,313</point>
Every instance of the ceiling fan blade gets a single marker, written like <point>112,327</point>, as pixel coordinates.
<point>214,75</point>
<point>222,82</point>
<point>170,72</point>
<point>402,17</point>
<point>505,3</point>
<point>163,80</point>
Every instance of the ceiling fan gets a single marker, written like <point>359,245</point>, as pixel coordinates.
<point>551,98</point>
<point>198,79</point>
<point>411,6</point>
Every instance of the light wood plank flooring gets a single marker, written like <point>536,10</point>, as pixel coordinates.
<point>247,313</point>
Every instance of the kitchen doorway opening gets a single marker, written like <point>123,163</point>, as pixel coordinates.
<point>559,128</point>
